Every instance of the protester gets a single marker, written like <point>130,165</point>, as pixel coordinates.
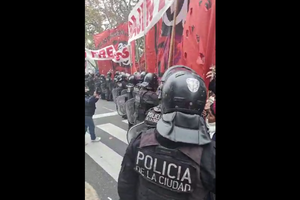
<point>90,107</point>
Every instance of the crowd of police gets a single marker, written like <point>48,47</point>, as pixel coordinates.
<point>171,133</point>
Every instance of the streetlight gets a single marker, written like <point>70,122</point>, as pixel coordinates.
<point>89,41</point>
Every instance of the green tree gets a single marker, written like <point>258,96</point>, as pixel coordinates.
<point>101,15</point>
<point>93,23</point>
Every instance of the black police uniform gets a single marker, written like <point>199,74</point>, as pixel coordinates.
<point>98,84</point>
<point>176,160</point>
<point>103,86</point>
<point>131,85</point>
<point>120,95</point>
<point>152,117</point>
<point>146,97</point>
<point>109,87</point>
<point>91,84</point>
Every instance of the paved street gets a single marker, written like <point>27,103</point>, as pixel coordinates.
<point>103,159</point>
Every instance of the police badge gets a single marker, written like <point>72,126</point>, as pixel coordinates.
<point>193,84</point>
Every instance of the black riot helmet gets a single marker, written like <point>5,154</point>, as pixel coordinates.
<point>122,78</point>
<point>173,69</point>
<point>150,82</point>
<point>138,77</point>
<point>132,81</point>
<point>183,100</point>
<point>98,74</point>
<point>116,78</point>
<point>117,73</point>
<point>183,91</point>
<point>143,74</point>
<point>136,73</point>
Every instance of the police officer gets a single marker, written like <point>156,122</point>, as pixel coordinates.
<point>176,159</point>
<point>154,114</point>
<point>117,73</point>
<point>121,84</point>
<point>91,84</point>
<point>143,74</point>
<point>98,83</point>
<point>103,86</point>
<point>109,86</point>
<point>132,81</point>
<point>120,95</point>
<point>146,97</point>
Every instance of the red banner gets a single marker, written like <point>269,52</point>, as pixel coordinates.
<point>199,37</point>
<point>194,38</point>
<point>145,15</point>
<point>117,37</point>
<point>158,39</point>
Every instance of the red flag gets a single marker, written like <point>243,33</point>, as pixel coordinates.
<point>133,66</point>
<point>199,37</point>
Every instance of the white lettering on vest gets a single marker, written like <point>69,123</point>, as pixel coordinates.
<point>152,117</point>
<point>166,173</point>
<point>148,158</point>
<point>154,169</point>
<point>169,170</point>
<point>187,176</point>
<point>140,156</point>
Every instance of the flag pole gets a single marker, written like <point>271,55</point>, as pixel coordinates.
<point>130,57</point>
<point>173,35</point>
<point>145,19</point>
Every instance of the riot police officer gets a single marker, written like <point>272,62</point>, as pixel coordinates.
<point>154,114</point>
<point>120,95</point>
<point>103,86</point>
<point>176,160</point>
<point>143,74</point>
<point>91,84</point>
<point>117,73</point>
<point>146,97</point>
<point>121,84</point>
<point>133,90</point>
<point>132,81</point>
<point>98,84</point>
<point>109,86</point>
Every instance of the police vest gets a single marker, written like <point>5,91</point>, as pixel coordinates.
<point>168,173</point>
<point>143,102</point>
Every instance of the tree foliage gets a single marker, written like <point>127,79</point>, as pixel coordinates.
<point>101,15</point>
<point>93,23</point>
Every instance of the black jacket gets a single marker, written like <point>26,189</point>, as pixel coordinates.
<point>128,178</point>
<point>90,105</point>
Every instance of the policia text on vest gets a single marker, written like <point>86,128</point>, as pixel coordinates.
<point>178,177</point>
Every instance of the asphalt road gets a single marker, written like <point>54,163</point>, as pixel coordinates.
<point>103,159</point>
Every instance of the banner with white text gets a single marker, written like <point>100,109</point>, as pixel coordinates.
<point>109,53</point>
<point>144,16</point>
